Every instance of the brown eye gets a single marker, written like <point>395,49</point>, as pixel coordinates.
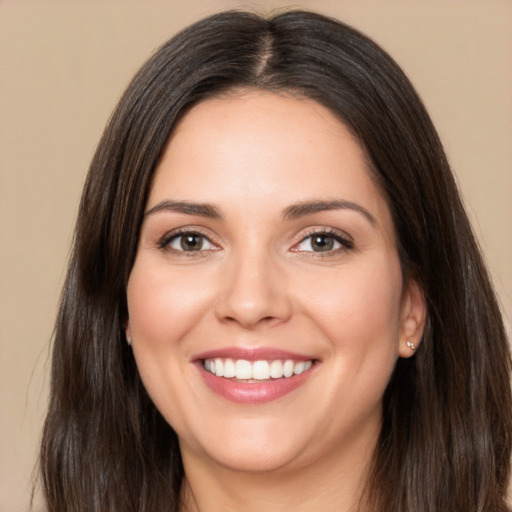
<point>188,242</point>
<point>191,242</point>
<point>320,243</point>
<point>323,242</point>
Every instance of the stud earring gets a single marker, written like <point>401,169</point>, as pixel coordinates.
<point>411,345</point>
<point>129,340</point>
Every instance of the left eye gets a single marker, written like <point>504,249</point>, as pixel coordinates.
<point>190,242</point>
<point>321,242</point>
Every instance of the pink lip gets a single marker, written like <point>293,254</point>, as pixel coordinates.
<point>253,392</point>
<point>258,392</point>
<point>251,354</point>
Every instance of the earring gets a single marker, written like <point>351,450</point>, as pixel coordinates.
<point>411,345</point>
<point>129,340</point>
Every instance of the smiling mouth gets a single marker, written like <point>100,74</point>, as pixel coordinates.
<point>254,371</point>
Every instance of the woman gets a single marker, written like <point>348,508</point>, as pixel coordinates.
<point>275,300</point>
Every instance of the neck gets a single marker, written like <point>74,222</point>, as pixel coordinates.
<point>333,483</point>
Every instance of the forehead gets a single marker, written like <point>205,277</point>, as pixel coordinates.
<point>266,149</point>
<point>280,116</point>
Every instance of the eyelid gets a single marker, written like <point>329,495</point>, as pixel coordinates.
<point>340,236</point>
<point>164,241</point>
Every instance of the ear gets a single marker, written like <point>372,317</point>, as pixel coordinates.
<point>413,318</point>
<point>128,333</point>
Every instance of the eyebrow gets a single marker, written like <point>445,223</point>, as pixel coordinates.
<point>310,207</point>
<point>188,208</point>
<point>294,211</point>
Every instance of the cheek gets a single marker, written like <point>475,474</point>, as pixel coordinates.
<point>163,306</point>
<point>360,308</point>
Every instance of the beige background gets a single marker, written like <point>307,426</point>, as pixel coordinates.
<point>63,65</point>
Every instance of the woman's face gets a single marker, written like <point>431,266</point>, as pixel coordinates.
<point>266,303</point>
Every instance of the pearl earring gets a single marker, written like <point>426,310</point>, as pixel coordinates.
<point>411,345</point>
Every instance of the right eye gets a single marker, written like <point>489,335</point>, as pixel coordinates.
<point>189,241</point>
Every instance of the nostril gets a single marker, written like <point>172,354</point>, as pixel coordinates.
<point>250,295</point>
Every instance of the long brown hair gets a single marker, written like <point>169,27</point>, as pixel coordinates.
<point>446,437</point>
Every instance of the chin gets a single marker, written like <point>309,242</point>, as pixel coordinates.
<point>257,459</point>
<point>251,448</point>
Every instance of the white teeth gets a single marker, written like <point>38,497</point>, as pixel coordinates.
<point>276,369</point>
<point>299,368</point>
<point>219,368</point>
<point>229,369</point>
<point>242,369</point>
<point>288,368</point>
<point>261,370</point>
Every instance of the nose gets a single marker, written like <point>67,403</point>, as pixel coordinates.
<point>254,292</point>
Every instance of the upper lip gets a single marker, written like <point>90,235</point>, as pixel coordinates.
<point>252,354</point>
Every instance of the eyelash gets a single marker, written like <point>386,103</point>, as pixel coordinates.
<point>344,241</point>
<point>165,242</point>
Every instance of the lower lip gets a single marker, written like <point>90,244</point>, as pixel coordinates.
<point>253,392</point>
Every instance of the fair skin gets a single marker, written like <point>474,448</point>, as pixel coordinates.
<point>293,258</point>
